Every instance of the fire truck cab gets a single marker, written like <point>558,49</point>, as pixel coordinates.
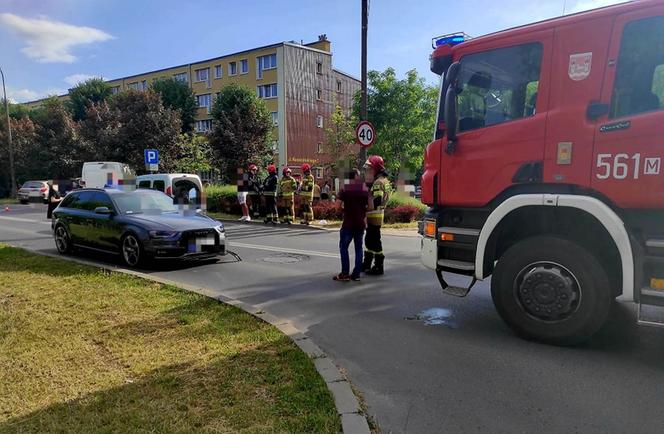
<point>545,171</point>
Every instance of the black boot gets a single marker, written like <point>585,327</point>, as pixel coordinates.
<point>377,269</point>
<point>366,263</point>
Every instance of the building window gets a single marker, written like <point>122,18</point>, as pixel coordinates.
<point>203,126</point>
<point>319,148</point>
<point>138,85</point>
<point>202,74</point>
<point>264,63</point>
<point>319,172</point>
<point>232,68</point>
<point>217,71</point>
<point>319,67</point>
<point>203,100</point>
<point>244,66</point>
<point>275,118</point>
<point>181,77</point>
<point>338,85</point>
<point>267,91</point>
<point>115,89</point>
<point>319,94</point>
<point>319,121</point>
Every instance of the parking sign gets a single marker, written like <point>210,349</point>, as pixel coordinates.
<point>151,159</point>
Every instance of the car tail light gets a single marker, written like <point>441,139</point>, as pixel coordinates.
<point>43,189</point>
<point>169,191</point>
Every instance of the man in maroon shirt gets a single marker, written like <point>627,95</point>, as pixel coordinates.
<point>355,199</point>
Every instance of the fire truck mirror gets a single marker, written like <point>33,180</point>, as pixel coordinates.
<point>451,114</point>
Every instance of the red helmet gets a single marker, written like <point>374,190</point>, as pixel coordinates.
<point>271,169</point>
<point>286,170</point>
<point>376,162</point>
<point>253,167</point>
<point>306,167</point>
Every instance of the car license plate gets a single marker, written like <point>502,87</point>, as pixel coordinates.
<point>196,244</point>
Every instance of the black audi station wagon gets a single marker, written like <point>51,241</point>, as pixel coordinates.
<point>138,225</point>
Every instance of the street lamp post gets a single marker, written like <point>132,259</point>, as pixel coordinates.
<point>12,174</point>
<point>363,94</point>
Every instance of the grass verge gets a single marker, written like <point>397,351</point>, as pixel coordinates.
<point>8,201</point>
<point>83,350</point>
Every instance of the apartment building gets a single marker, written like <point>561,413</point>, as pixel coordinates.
<point>297,81</point>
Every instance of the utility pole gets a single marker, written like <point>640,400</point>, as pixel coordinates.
<point>12,174</point>
<point>363,96</point>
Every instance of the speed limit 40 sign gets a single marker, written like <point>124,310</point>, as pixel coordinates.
<point>365,134</point>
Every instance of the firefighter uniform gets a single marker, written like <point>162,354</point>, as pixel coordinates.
<point>379,195</point>
<point>287,188</point>
<point>307,198</point>
<point>270,193</point>
<point>254,187</point>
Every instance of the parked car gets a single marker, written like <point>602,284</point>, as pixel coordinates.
<point>33,190</point>
<point>139,226</point>
<point>103,174</point>
<point>182,187</point>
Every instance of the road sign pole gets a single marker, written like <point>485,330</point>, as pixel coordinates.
<point>363,96</point>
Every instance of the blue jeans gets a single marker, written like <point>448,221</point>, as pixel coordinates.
<point>345,237</point>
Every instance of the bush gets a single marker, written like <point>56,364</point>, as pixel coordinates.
<point>328,210</point>
<point>222,198</point>
<point>399,199</point>
<point>403,214</point>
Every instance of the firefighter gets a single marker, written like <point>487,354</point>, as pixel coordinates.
<point>270,193</point>
<point>379,194</point>
<point>287,188</point>
<point>307,195</point>
<point>254,191</point>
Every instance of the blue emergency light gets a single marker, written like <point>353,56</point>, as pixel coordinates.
<point>451,39</point>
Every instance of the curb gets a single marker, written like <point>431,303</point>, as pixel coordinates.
<point>353,420</point>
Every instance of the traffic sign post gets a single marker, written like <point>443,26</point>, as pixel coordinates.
<point>151,159</point>
<point>365,133</point>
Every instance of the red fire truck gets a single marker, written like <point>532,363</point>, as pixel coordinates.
<point>545,171</point>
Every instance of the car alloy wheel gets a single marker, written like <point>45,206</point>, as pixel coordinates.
<point>131,250</point>
<point>62,239</point>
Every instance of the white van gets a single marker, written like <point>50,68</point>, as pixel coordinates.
<point>105,174</point>
<point>184,188</point>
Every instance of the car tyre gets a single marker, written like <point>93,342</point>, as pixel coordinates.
<point>131,250</point>
<point>62,239</point>
<point>551,290</point>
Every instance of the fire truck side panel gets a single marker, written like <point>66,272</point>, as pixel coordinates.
<point>486,159</point>
<point>629,144</point>
<point>576,81</point>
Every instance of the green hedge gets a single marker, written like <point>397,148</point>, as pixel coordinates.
<point>217,195</point>
<point>400,199</point>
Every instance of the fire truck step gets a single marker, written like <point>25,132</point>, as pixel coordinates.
<point>651,297</point>
<point>451,264</point>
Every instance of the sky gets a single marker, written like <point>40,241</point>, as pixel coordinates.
<point>47,46</point>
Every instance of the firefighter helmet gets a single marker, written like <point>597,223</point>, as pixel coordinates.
<point>271,169</point>
<point>376,163</point>
<point>253,167</point>
<point>286,170</point>
<point>306,168</point>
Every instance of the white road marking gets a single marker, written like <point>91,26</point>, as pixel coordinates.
<point>232,243</point>
<point>285,250</point>
<point>18,219</point>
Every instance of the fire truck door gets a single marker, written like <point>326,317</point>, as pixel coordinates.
<point>629,144</point>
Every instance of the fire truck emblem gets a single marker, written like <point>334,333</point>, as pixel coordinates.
<point>579,66</point>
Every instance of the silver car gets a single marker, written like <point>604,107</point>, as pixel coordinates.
<point>33,190</point>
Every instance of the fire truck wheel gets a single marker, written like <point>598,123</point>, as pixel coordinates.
<point>552,290</point>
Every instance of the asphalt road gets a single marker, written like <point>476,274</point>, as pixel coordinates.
<point>463,371</point>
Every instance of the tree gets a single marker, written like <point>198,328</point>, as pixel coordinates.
<point>129,123</point>
<point>403,112</point>
<point>194,155</point>
<point>56,151</point>
<point>339,147</point>
<point>23,140</point>
<point>177,95</point>
<point>241,129</point>
<point>93,90</point>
